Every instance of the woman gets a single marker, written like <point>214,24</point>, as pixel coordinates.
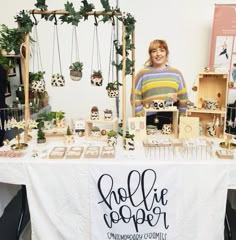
<point>159,81</point>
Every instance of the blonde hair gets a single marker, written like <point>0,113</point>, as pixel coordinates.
<point>154,45</point>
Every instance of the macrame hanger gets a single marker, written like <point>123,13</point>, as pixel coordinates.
<point>112,51</point>
<point>56,40</point>
<point>36,48</point>
<point>74,43</point>
<point>96,38</point>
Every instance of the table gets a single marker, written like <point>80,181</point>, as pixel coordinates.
<point>60,197</point>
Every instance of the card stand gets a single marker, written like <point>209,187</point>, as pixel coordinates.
<point>74,152</point>
<point>108,152</point>
<point>58,153</point>
<point>161,150</point>
<point>175,116</point>
<point>225,154</point>
<point>92,152</point>
<point>102,124</point>
<point>196,149</point>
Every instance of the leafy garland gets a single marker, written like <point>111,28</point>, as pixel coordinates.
<point>74,17</point>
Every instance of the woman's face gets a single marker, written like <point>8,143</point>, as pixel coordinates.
<point>158,57</point>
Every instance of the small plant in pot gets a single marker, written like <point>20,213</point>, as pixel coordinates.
<point>96,78</point>
<point>113,89</point>
<point>112,138</point>
<point>95,132</point>
<point>36,80</point>
<point>41,135</point>
<point>129,142</point>
<point>69,137</point>
<point>76,71</point>
<point>57,80</point>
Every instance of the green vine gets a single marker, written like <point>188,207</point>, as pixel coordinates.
<point>74,17</point>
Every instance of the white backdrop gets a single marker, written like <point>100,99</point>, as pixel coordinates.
<point>186,27</point>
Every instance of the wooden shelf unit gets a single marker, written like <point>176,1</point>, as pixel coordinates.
<point>105,124</point>
<point>211,85</point>
<point>175,116</point>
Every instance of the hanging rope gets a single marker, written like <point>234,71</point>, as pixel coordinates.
<point>112,54</point>
<point>95,37</point>
<point>56,39</point>
<point>74,42</point>
<point>36,48</point>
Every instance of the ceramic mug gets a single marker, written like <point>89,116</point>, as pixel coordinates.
<point>210,130</point>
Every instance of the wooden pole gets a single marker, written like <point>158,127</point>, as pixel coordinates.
<point>133,74</point>
<point>64,12</point>
<point>123,81</point>
<point>26,84</point>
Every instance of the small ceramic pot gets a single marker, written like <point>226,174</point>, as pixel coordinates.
<point>96,134</point>
<point>69,139</point>
<point>158,104</point>
<point>210,130</point>
<point>113,93</point>
<point>211,104</point>
<point>75,75</point>
<point>111,141</point>
<point>129,144</point>
<point>57,80</point>
<point>166,129</point>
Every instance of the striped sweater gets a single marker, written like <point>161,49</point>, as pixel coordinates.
<point>152,84</point>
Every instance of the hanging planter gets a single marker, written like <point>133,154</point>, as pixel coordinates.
<point>37,81</point>
<point>96,75</point>
<point>96,78</point>
<point>113,89</point>
<point>76,71</point>
<point>57,80</point>
<point>76,66</point>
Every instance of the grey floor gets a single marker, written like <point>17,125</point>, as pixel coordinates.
<point>10,220</point>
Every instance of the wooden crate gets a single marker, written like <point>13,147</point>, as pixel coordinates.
<point>212,85</point>
<point>103,124</point>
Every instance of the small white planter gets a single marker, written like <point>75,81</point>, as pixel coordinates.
<point>111,141</point>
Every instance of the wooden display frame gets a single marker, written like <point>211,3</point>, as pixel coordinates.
<point>175,116</point>
<point>58,153</point>
<point>25,62</point>
<point>75,152</point>
<point>108,152</point>
<point>105,123</point>
<point>92,152</point>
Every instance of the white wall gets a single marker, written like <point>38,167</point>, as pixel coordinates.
<point>185,25</point>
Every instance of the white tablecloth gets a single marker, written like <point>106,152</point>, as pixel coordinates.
<point>59,192</point>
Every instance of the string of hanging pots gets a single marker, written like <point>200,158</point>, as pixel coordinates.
<point>74,17</point>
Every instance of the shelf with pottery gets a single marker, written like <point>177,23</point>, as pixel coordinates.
<point>211,103</point>
<point>103,125</point>
<point>173,126</point>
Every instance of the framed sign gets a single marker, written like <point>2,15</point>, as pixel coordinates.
<point>223,41</point>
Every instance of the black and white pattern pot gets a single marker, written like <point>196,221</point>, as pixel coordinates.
<point>57,80</point>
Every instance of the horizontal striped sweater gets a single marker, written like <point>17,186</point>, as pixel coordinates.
<point>153,84</point>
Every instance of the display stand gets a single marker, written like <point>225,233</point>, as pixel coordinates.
<point>25,63</point>
<point>211,102</point>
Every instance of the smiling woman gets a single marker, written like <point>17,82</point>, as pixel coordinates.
<point>157,81</point>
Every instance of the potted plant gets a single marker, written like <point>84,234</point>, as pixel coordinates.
<point>113,89</point>
<point>57,80</point>
<point>96,78</point>
<point>95,132</point>
<point>41,135</point>
<point>60,119</point>
<point>129,141</point>
<point>48,119</point>
<point>112,138</point>
<point>36,80</point>
<point>76,70</point>
<point>69,137</point>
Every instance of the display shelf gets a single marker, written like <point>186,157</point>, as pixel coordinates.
<point>175,116</point>
<point>212,85</point>
<point>102,124</point>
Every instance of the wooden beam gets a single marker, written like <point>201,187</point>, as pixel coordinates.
<point>123,83</point>
<point>64,12</point>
